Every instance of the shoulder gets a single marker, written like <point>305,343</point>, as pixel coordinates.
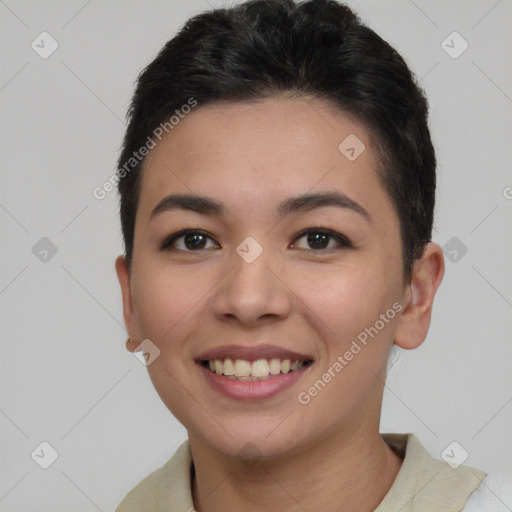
<point>170,484</point>
<point>427,483</point>
<point>143,497</point>
<point>491,496</point>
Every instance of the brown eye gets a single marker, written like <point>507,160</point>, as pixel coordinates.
<point>187,240</point>
<point>319,239</point>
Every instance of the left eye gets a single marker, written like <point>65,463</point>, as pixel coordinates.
<point>196,240</point>
<point>319,238</point>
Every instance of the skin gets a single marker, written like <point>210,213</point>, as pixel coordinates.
<point>328,454</point>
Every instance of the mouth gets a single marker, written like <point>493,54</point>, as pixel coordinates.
<point>255,370</point>
<point>254,373</point>
<point>253,363</point>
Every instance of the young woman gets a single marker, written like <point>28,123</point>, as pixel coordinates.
<point>277,185</point>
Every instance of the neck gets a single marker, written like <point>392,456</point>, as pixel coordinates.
<point>342,473</point>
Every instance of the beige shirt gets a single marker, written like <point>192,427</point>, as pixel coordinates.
<point>423,484</point>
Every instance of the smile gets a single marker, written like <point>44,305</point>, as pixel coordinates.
<point>260,369</point>
<point>252,372</point>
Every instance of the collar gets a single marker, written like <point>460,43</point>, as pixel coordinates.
<point>423,483</point>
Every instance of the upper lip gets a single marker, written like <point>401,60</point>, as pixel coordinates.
<point>252,353</point>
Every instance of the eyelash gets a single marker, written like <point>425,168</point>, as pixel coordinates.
<point>343,241</point>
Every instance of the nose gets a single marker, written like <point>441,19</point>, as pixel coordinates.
<point>252,293</point>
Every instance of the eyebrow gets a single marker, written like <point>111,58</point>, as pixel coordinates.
<point>304,202</point>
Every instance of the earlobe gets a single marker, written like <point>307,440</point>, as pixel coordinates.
<point>131,345</point>
<point>123,275</point>
<point>419,298</point>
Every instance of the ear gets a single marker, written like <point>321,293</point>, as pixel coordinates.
<point>123,274</point>
<point>418,299</point>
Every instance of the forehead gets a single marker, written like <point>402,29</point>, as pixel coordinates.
<point>257,152</point>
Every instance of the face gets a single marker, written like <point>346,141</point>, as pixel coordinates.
<point>258,276</point>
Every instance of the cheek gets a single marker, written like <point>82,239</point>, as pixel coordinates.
<point>165,300</point>
<point>347,299</point>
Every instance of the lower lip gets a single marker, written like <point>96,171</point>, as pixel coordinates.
<point>253,390</point>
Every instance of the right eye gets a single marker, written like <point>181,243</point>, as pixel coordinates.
<point>193,240</point>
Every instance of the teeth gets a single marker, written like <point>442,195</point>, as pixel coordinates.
<point>242,367</point>
<point>295,366</point>
<point>260,369</point>
<point>275,366</point>
<point>229,367</point>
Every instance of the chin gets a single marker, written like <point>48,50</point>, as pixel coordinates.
<point>265,440</point>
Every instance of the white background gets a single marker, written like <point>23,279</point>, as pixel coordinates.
<point>66,377</point>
